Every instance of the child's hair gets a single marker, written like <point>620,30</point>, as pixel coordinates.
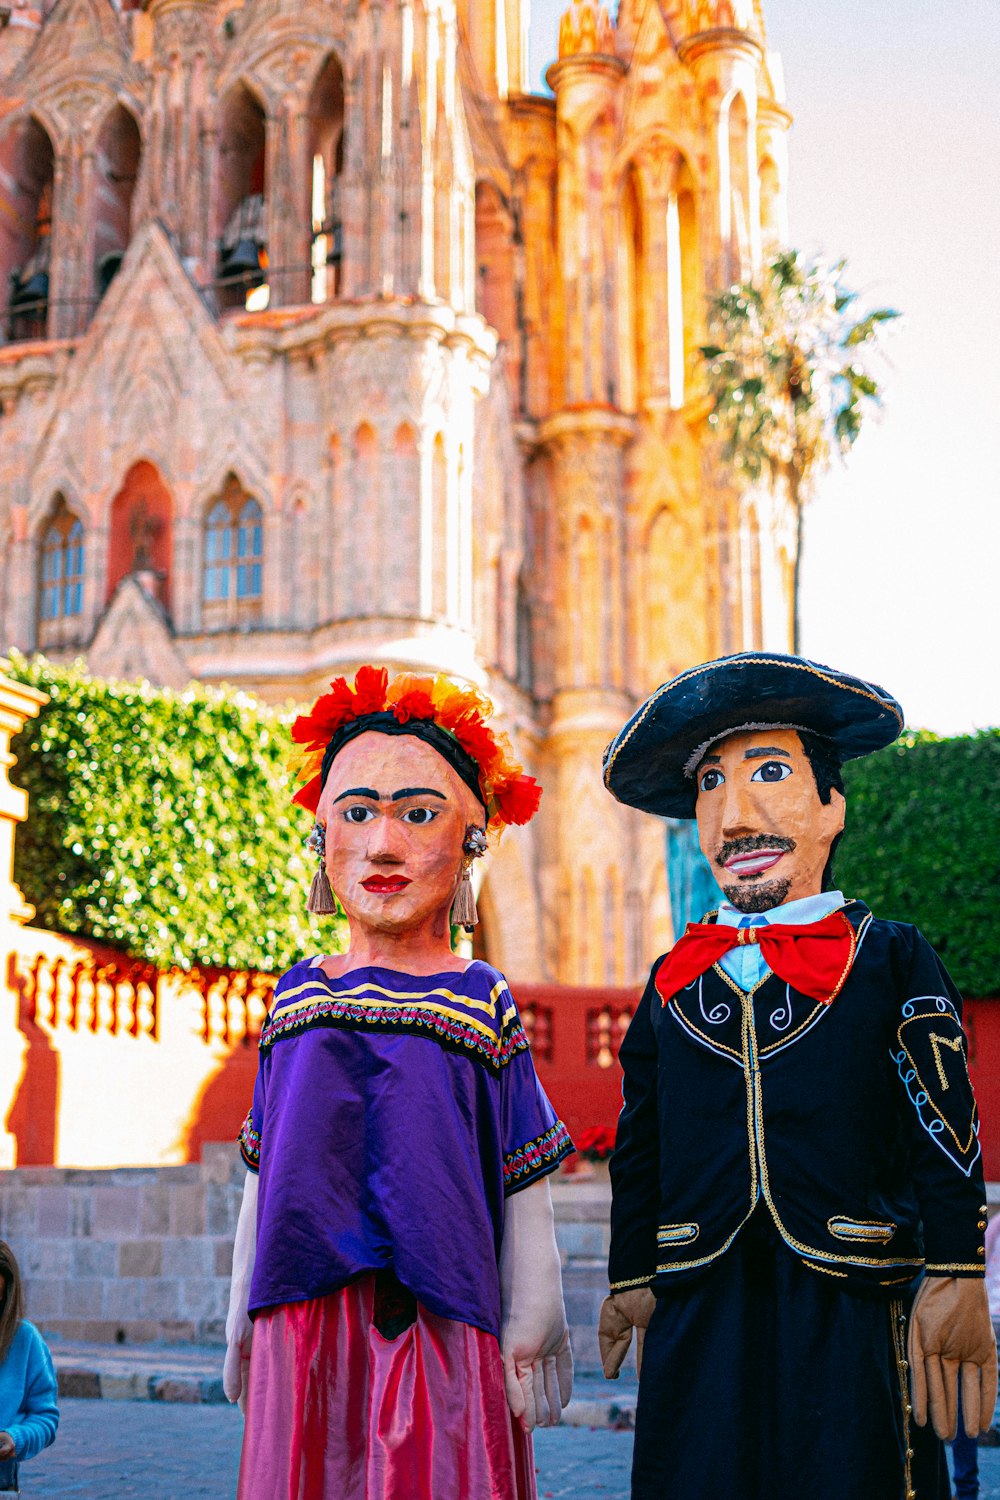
<point>11,1299</point>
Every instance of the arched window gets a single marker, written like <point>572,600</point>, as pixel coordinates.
<point>218,552</point>
<point>631,272</point>
<point>60,594</point>
<point>249,551</point>
<point>233,571</point>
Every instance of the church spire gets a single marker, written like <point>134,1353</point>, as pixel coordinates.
<point>586,27</point>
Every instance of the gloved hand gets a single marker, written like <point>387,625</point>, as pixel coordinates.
<point>620,1313</point>
<point>951,1334</point>
<point>534,1338</point>
<point>239,1329</point>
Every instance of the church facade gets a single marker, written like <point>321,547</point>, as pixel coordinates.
<point>325,340</point>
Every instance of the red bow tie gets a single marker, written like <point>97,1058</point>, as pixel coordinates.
<point>815,960</point>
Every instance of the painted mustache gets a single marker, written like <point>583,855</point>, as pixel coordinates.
<point>753,854</point>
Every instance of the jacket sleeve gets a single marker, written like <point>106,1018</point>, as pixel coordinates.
<point>635,1166</point>
<point>38,1417</point>
<point>931,1055</point>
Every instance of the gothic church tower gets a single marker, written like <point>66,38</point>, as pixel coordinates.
<point>324,339</point>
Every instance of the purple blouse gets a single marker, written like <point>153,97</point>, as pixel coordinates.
<point>391,1115</point>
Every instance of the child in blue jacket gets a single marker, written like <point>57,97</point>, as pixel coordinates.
<point>29,1414</point>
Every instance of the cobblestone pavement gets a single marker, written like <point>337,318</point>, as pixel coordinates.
<point>114,1450</point>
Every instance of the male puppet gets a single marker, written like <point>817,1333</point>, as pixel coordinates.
<point>798,1141</point>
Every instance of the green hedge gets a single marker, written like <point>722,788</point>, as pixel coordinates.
<point>922,845</point>
<point>162,823</point>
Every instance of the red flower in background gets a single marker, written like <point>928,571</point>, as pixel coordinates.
<point>596,1143</point>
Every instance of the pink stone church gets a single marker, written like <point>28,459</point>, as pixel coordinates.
<point>324,338</point>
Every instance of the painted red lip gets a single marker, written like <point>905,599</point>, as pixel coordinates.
<point>385,884</point>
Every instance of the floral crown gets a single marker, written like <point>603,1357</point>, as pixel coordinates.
<point>508,794</point>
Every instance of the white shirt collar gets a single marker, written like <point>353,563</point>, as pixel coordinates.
<point>793,914</point>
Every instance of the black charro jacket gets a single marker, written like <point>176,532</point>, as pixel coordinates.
<point>852,1124</point>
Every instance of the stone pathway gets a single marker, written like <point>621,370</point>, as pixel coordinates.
<point>175,1450</point>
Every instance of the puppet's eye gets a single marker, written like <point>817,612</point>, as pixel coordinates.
<point>359,814</point>
<point>419,815</point>
<point>710,780</point>
<point>772,770</point>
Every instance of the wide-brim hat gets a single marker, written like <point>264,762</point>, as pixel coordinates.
<point>651,763</point>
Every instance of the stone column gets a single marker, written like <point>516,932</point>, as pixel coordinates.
<point>592,850</point>
<point>177,177</point>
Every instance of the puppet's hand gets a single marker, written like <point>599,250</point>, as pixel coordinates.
<point>534,1339</point>
<point>950,1335</point>
<point>620,1313</point>
<point>538,1379</point>
<point>239,1329</point>
<point>236,1370</point>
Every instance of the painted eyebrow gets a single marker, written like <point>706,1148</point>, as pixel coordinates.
<point>407,791</point>
<point>759,752</point>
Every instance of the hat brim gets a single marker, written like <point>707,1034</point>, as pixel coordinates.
<point>650,764</point>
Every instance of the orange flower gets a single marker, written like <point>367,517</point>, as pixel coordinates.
<point>413,705</point>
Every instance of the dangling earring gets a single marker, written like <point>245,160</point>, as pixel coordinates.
<point>322,901</point>
<point>463,908</point>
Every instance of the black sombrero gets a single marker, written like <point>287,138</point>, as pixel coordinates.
<point>651,763</point>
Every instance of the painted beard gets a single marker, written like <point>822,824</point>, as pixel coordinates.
<point>751,895</point>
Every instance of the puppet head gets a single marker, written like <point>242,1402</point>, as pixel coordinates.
<point>752,746</point>
<point>763,825</point>
<point>406,779</point>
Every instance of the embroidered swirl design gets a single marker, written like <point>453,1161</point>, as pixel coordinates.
<point>781,1018</point>
<point>719,1014</point>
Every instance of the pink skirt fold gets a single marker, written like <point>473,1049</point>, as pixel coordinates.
<point>336,1411</point>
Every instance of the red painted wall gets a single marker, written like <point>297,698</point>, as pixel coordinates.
<point>982,1026</point>
<point>575,1033</point>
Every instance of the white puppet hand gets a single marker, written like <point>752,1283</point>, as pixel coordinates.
<point>239,1329</point>
<point>534,1338</point>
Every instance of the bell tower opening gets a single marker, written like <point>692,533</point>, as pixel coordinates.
<point>119,148</point>
<point>241,275</point>
<point>326,159</point>
<point>27,173</point>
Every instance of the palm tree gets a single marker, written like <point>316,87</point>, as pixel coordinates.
<point>788,379</point>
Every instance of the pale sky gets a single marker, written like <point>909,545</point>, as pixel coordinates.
<point>895,165</point>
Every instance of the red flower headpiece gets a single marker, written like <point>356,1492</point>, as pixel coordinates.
<point>509,795</point>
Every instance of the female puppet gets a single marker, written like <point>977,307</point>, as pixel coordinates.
<point>395,1258</point>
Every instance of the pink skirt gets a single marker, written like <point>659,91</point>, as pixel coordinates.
<point>337,1411</point>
